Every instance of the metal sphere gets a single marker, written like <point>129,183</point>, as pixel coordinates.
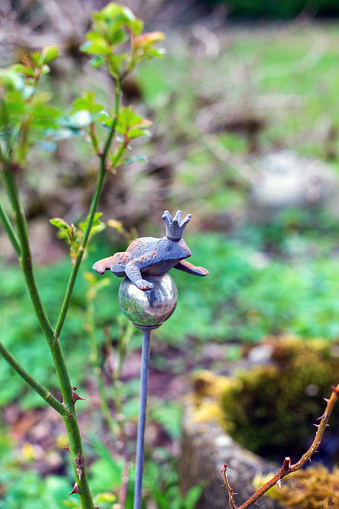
<point>148,309</point>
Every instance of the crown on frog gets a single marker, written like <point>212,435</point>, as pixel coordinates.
<point>175,227</point>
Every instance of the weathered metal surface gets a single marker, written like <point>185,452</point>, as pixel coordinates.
<point>139,460</point>
<point>148,310</point>
<point>153,256</point>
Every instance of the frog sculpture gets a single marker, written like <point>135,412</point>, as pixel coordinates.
<point>149,255</point>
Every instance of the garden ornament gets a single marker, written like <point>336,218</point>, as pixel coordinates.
<point>149,255</point>
<point>148,297</point>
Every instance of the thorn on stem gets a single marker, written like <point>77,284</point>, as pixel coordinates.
<point>79,463</point>
<point>75,489</point>
<point>75,397</point>
<point>68,448</point>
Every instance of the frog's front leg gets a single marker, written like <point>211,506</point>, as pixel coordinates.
<point>191,269</point>
<point>102,265</point>
<point>132,271</point>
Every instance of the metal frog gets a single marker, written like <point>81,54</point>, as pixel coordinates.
<point>149,255</point>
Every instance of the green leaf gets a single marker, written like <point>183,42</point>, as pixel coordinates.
<point>137,26</point>
<point>97,62</point>
<point>80,118</point>
<point>87,103</point>
<point>155,52</point>
<point>49,53</point>
<point>136,133</point>
<point>61,224</point>
<point>63,133</point>
<point>96,45</point>
<point>26,70</point>
<point>129,120</point>
<point>27,92</point>
<point>96,221</point>
<point>143,47</point>
<point>44,70</point>
<point>116,64</point>
<point>11,79</point>
<point>192,496</point>
<point>136,159</point>
<point>37,58</point>
<point>105,497</point>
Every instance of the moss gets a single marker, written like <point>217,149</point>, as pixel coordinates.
<point>313,488</point>
<point>270,409</point>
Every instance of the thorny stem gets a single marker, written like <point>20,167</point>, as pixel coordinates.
<point>20,241</point>
<point>25,259</point>
<point>287,468</point>
<point>11,233</point>
<point>27,268</point>
<point>93,209</point>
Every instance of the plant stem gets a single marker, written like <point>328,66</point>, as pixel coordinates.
<point>93,209</point>
<point>25,257</point>
<point>40,389</point>
<point>54,344</point>
<point>11,233</point>
<point>287,468</point>
<point>75,443</point>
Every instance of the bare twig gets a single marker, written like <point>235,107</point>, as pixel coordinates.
<point>287,468</point>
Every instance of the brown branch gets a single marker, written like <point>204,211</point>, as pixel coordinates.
<point>287,468</point>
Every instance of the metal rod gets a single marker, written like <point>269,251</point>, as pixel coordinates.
<point>145,355</point>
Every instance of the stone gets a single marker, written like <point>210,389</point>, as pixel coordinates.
<point>287,180</point>
<point>205,449</point>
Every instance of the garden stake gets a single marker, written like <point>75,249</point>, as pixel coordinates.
<point>147,303</point>
<point>142,418</point>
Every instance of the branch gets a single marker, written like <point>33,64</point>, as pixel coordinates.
<point>287,468</point>
<point>11,233</point>
<point>93,209</point>
<point>40,389</point>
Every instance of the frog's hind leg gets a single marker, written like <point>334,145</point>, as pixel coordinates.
<point>119,262</point>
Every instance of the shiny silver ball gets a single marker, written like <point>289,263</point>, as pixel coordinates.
<point>148,309</point>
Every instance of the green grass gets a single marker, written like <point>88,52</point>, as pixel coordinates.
<point>240,299</point>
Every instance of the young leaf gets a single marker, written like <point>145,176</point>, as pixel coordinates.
<point>49,53</point>
<point>96,45</point>
<point>136,159</point>
<point>96,221</point>
<point>61,224</point>
<point>143,46</point>
<point>136,133</point>
<point>96,62</point>
<point>80,118</point>
<point>87,103</point>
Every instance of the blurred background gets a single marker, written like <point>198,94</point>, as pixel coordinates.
<point>245,138</point>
